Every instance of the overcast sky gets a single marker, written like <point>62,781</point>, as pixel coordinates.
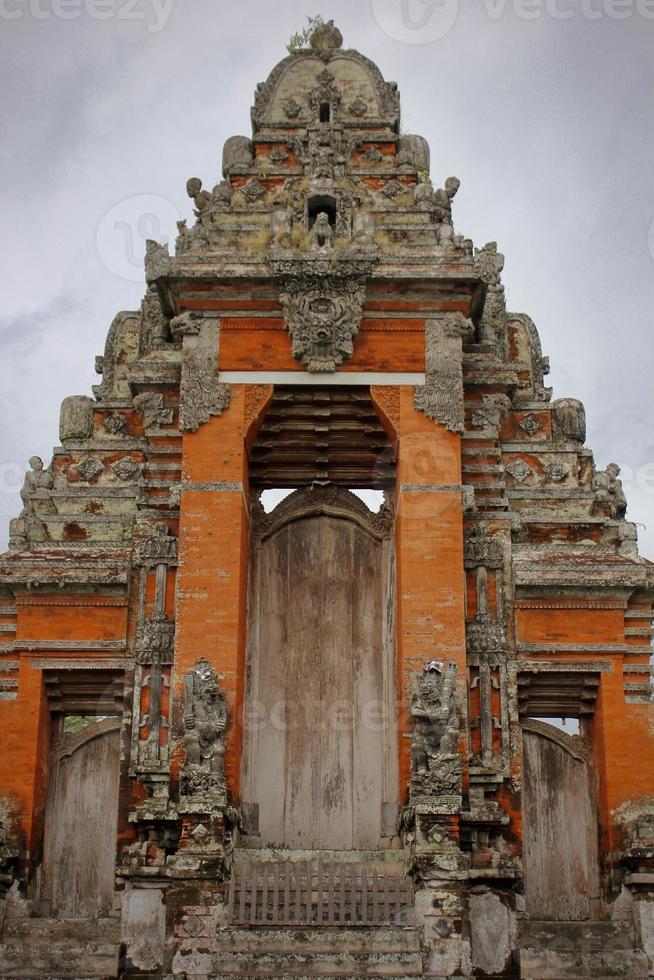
<point>543,108</point>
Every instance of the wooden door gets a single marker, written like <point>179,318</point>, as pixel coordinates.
<point>560,825</point>
<point>319,757</point>
<point>81,818</point>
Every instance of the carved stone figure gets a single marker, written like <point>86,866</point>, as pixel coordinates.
<point>322,233</point>
<point>609,490</point>
<point>442,199</point>
<point>490,263</point>
<point>205,721</point>
<point>436,764</point>
<point>201,199</point>
<point>37,478</point>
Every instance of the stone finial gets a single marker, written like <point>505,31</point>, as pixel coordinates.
<point>326,38</point>
<point>237,152</point>
<point>76,418</point>
<point>569,420</point>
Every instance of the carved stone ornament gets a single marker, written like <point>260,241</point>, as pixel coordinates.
<point>441,397</point>
<point>326,91</point>
<point>115,424</point>
<point>359,108</point>
<point>202,394</point>
<point>519,470</point>
<point>205,719</point>
<point>557,472</point>
<point>485,635</point>
<point>480,549</point>
<point>435,761</point>
<point>326,39</point>
<point>157,260</point>
<point>531,424</point>
<point>253,190</point>
<point>90,468</point>
<point>322,305</point>
<point>292,108</point>
<point>160,546</point>
<point>152,407</point>
<point>186,324</point>
<point>372,155</point>
<point>278,156</point>
<point>155,641</point>
<point>393,189</point>
<point>126,468</point>
<point>492,412</point>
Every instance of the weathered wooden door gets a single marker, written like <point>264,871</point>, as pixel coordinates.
<point>81,818</point>
<point>319,755</point>
<point>560,825</point>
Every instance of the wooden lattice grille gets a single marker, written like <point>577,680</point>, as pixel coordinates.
<point>318,894</point>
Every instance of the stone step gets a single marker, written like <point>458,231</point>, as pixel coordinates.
<point>317,952</point>
<point>341,964</point>
<point>26,957</point>
<point>320,940</point>
<point>578,949</point>
<point>106,930</point>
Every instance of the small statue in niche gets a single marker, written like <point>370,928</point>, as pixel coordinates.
<point>205,719</point>
<point>436,764</point>
<point>322,233</point>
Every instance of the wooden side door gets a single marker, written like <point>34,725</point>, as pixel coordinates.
<point>560,837</point>
<point>81,821</point>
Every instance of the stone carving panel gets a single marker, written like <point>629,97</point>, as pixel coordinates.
<point>322,302</point>
<point>202,394</point>
<point>441,398</point>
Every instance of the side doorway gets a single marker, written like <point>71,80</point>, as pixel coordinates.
<point>560,825</point>
<point>79,849</point>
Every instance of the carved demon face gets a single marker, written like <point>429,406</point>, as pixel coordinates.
<point>323,320</point>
